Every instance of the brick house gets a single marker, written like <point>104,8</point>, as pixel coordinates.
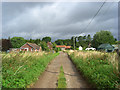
<point>30,47</point>
<point>50,46</point>
<point>27,47</point>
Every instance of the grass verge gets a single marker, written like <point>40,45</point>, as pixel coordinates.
<point>61,79</point>
<point>22,69</point>
<point>97,70</point>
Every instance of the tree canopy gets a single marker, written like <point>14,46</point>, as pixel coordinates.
<point>17,42</point>
<point>85,41</point>
<point>46,39</point>
<point>102,37</point>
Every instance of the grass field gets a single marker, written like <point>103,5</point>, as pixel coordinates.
<point>21,69</point>
<point>101,69</point>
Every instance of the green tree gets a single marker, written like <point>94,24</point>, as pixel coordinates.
<point>83,41</point>
<point>46,39</point>
<point>54,45</point>
<point>59,42</point>
<point>88,40</point>
<point>37,41</point>
<point>6,44</point>
<point>102,37</point>
<point>44,46</point>
<point>17,42</point>
<point>31,40</point>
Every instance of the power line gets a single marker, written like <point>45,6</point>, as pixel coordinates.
<point>105,11</point>
<point>94,16</point>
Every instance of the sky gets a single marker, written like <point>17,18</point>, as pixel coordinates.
<point>59,20</point>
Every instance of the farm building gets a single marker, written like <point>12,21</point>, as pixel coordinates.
<point>27,47</point>
<point>63,47</point>
<point>106,48</point>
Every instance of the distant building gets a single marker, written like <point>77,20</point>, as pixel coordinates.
<point>63,47</point>
<point>50,46</point>
<point>106,48</point>
<point>80,48</point>
<point>27,47</point>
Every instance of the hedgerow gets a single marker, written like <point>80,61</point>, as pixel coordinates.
<point>97,70</point>
<point>22,69</point>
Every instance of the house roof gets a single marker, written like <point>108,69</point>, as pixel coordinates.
<point>105,46</point>
<point>68,46</point>
<point>33,45</point>
<point>63,46</point>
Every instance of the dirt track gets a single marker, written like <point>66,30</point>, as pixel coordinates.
<point>50,76</point>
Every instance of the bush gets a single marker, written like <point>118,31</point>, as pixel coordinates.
<point>57,49</point>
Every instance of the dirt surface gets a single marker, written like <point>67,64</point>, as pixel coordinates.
<point>50,76</point>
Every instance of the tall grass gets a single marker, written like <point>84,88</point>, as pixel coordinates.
<point>99,68</point>
<point>21,69</point>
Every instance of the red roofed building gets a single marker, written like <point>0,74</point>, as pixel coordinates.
<point>50,46</point>
<point>63,47</point>
<point>30,47</point>
<point>27,47</point>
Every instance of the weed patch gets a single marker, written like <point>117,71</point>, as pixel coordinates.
<point>61,79</point>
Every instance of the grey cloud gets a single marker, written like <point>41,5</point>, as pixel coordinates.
<point>58,20</point>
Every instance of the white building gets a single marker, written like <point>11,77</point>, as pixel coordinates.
<point>80,48</point>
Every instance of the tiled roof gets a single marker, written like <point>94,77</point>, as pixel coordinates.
<point>63,46</point>
<point>35,46</point>
<point>68,46</point>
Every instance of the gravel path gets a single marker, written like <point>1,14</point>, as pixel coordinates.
<point>50,76</point>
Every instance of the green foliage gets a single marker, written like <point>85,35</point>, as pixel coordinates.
<point>84,41</point>
<point>46,39</point>
<point>54,45</point>
<point>44,46</point>
<point>102,37</point>
<point>6,44</point>
<point>66,42</point>
<point>57,49</point>
<point>97,70</point>
<point>20,70</point>
<point>61,79</point>
<point>17,42</point>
